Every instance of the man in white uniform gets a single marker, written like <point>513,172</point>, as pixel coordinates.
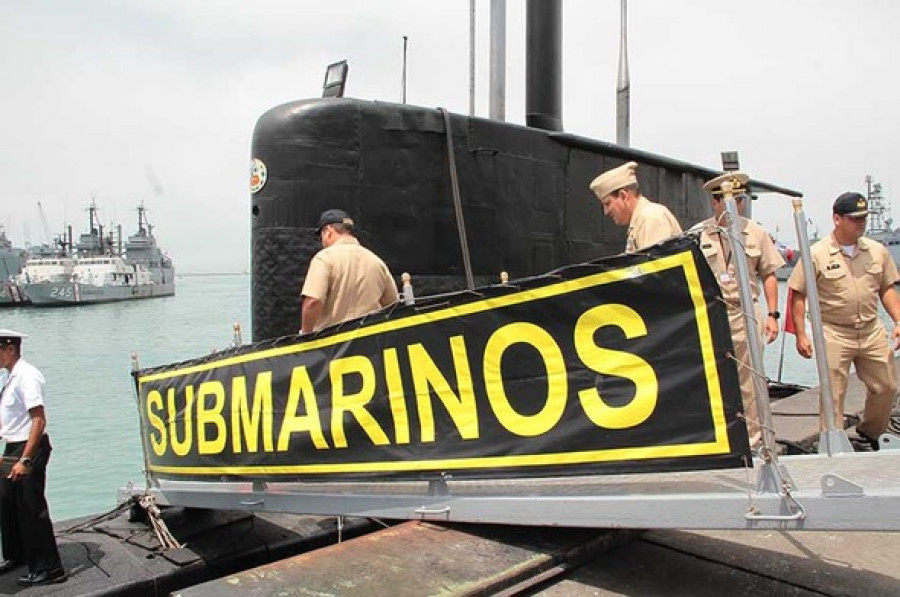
<point>24,516</point>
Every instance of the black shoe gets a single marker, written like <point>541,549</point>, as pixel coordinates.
<point>7,565</point>
<point>44,577</point>
<point>873,443</point>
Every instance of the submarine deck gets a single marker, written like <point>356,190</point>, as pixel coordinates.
<point>118,557</point>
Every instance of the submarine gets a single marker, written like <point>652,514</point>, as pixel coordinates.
<point>451,199</point>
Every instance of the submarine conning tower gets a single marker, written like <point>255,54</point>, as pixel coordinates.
<point>523,190</point>
<point>524,193</point>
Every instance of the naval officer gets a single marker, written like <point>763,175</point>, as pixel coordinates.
<point>852,274</point>
<point>24,515</point>
<point>762,261</point>
<point>345,280</point>
<point>620,195</point>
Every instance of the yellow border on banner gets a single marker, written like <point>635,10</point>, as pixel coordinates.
<point>493,462</point>
<point>684,260</point>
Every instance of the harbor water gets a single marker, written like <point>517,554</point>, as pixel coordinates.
<point>85,355</point>
<point>85,352</point>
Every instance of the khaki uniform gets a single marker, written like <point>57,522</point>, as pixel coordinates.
<point>762,260</point>
<point>849,294</point>
<point>350,280</point>
<point>650,224</point>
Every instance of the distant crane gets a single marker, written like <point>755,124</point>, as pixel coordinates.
<point>48,238</point>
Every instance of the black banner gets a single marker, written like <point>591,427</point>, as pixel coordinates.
<point>618,365</point>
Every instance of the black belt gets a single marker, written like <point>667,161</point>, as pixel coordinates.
<point>858,325</point>
<point>12,446</point>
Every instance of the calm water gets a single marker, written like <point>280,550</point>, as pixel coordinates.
<point>84,352</point>
<point>85,355</point>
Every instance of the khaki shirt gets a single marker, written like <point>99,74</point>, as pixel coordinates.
<point>849,288</point>
<point>762,256</point>
<point>350,280</point>
<point>650,224</point>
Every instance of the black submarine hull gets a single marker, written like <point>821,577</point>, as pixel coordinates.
<point>525,201</point>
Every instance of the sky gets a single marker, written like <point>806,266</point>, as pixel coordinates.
<point>129,101</point>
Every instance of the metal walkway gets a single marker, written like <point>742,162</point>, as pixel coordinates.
<point>836,489</point>
<point>858,491</point>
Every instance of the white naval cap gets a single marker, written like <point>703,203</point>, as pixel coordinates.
<point>615,179</point>
<point>11,337</point>
<point>738,182</point>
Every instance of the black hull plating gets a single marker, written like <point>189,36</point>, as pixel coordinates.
<point>524,194</point>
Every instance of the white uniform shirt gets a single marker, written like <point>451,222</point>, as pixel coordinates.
<point>24,390</point>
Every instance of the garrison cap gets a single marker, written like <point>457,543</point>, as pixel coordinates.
<point>8,337</point>
<point>738,182</point>
<point>333,216</point>
<point>851,204</point>
<point>615,179</point>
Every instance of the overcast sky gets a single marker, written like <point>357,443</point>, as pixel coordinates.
<point>155,101</point>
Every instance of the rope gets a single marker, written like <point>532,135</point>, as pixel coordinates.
<point>109,515</point>
<point>163,535</point>
<point>747,367</point>
<point>751,420</point>
<point>457,203</point>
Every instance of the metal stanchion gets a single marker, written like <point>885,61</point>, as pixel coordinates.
<point>407,297</point>
<point>832,440</point>
<point>135,367</point>
<point>772,478</point>
<point>751,325</point>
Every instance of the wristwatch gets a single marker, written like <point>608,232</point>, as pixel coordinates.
<point>25,460</point>
<point>774,314</point>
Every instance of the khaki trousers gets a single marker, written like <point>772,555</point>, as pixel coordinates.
<point>745,370</point>
<point>868,350</point>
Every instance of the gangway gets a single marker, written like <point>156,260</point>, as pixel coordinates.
<point>858,491</point>
<point>836,489</point>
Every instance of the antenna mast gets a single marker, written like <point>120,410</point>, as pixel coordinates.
<point>471,57</point>
<point>879,218</point>
<point>403,78</point>
<point>498,60</point>
<point>623,88</point>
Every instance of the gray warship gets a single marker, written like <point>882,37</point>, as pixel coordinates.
<point>103,271</point>
<point>12,259</point>
<point>880,224</point>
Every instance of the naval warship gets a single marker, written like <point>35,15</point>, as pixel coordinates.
<point>101,270</point>
<point>879,225</point>
<point>12,259</point>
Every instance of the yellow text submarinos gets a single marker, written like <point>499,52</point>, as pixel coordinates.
<point>216,417</point>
